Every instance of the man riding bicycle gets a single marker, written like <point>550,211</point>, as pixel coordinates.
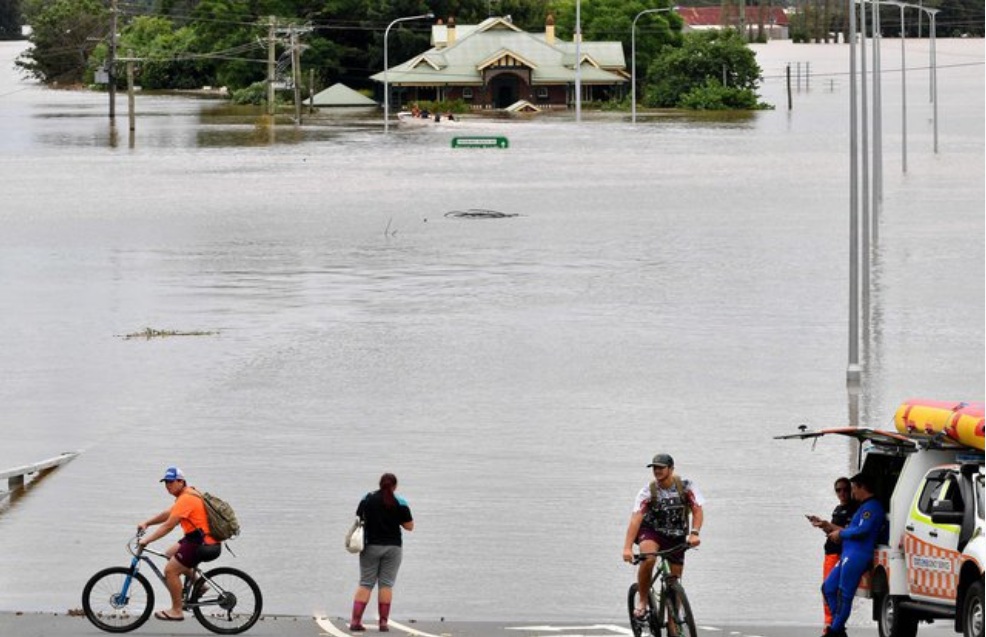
<point>660,521</point>
<point>195,547</point>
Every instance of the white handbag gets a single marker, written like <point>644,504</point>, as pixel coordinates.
<point>355,540</point>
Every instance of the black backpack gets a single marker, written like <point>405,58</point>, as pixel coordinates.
<point>679,486</point>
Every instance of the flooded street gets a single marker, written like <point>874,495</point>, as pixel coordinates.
<point>680,285</point>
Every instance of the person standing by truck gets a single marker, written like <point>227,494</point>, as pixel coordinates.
<point>858,542</point>
<point>841,516</point>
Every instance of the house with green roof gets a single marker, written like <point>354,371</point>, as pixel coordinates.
<point>494,64</point>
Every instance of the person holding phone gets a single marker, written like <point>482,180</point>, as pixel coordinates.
<point>841,516</point>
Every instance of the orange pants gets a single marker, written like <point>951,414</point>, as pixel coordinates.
<point>830,561</point>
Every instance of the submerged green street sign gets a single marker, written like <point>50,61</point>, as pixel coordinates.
<point>480,142</point>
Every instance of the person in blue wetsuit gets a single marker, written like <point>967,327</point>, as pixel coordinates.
<point>858,541</point>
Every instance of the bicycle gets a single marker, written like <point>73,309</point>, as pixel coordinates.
<point>120,598</point>
<point>669,608</point>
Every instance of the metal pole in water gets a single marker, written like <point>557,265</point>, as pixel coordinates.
<point>853,370</point>
<point>578,61</point>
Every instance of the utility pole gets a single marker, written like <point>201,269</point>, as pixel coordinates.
<point>130,92</point>
<point>271,65</point>
<point>111,62</point>
<point>296,75</point>
<point>311,91</point>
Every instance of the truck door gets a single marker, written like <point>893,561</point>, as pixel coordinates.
<point>931,549</point>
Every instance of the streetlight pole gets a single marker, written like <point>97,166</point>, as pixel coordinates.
<point>633,60</point>
<point>578,61</point>
<point>903,86</point>
<point>853,372</point>
<point>934,75</point>
<point>865,175</point>
<point>386,66</point>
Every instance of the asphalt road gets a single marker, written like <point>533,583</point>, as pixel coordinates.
<point>63,625</point>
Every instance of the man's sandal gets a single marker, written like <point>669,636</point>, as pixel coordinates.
<point>163,616</point>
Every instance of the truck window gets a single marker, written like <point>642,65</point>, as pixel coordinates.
<point>953,494</point>
<point>981,502</point>
<point>933,485</point>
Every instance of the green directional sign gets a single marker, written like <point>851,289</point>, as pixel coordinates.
<point>480,142</point>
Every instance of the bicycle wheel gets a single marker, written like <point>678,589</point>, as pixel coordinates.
<point>226,601</point>
<point>680,619</point>
<point>651,620</point>
<point>636,624</point>
<point>108,609</point>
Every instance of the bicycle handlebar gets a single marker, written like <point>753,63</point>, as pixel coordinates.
<point>640,557</point>
<point>134,546</point>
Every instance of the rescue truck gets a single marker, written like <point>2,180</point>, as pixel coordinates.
<point>929,563</point>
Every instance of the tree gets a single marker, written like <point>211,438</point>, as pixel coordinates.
<point>63,34</point>
<point>10,20</point>
<point>164,50</point>
<point>705,60</point>
<point>608,20</point>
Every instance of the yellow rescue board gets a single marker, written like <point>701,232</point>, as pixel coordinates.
<point>962,422</point>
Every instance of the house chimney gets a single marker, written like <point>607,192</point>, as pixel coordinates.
<point>549,30</point>
<point>439,35</point>
<point>451,30</point>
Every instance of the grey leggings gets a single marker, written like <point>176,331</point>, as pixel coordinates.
<point>379,563</point>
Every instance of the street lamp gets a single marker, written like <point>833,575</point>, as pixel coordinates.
<point>633,60</point>
<point>934,73</point>
<point>903,83</point>
<point>386,86</point>
<point>853,371</point>
<point>578,61</point>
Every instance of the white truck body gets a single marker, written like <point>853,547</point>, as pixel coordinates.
<point>930,563</point>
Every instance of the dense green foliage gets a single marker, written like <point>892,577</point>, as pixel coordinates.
<point>711,67</point>
<point>64,33</point>
<point>10,20</point>
<point>192,43</point>
<point>822,20</point>
<point>713,96</point>
<point>613,19</point>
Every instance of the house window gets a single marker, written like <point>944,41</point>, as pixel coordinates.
<point>467,93</point>
<point>543,93</point>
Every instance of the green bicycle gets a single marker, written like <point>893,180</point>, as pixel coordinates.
<point>667,607</point>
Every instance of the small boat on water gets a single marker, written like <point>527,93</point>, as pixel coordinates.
<point>425,118</point>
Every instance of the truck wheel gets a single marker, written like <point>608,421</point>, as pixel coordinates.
<point>972,611</point>
<point>894,621</point>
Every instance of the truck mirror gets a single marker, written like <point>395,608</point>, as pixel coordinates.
<point>943,513</point>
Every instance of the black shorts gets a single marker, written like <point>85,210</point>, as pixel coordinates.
<point>664,542</point>
<point>191,554</point>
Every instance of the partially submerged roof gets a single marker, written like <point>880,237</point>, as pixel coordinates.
<point>342,95</point>
<point>497,41</point>
<point>523,106</point>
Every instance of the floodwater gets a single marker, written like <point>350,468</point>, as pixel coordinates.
<point>677,286</point>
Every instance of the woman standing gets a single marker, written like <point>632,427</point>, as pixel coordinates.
<point>384,514</point>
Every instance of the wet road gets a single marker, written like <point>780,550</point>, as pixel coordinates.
<point>62,625</point>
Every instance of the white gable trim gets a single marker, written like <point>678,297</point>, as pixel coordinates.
<point>502,54</point>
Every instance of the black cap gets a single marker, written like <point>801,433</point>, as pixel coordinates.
<point>662,460</point>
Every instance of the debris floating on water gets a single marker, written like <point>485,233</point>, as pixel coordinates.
<point>148,333</point>
<point>480,213</point>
